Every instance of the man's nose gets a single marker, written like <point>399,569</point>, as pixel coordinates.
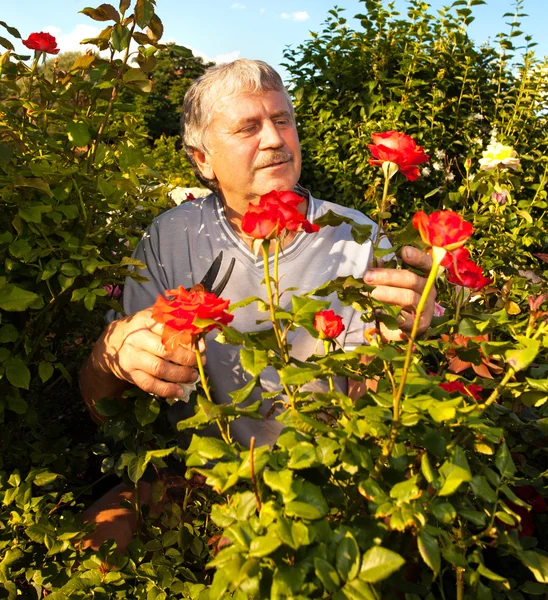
<point>270,136</point>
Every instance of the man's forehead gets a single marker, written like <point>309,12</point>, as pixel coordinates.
<point>250,105</point>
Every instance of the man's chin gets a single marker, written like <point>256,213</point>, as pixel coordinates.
<point>275,179</point>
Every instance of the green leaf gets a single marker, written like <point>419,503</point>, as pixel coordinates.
<point>302,456</point>
<point>144,9</point>
<point>45,478</point>
<point>347,557</point>
<point>537,563</point>
<point>292,533</point>
<point>147,410</point>
<point>406,490</point>
<point>443,411</point>
<point>6,43</point>
<point>378,563</point>
<point>83,62</point>
<point>104,12</point>
<point>264,545</point>
<point>45,371</point>
<point>326,574</point>
<point>483,570</point>
<point>16,404</point>
<point>309,503</point>
<point>16,299</point>
<point>17,373</point>
<point>538,384</point>
<point>11,30</point>
<point>504,461</point>
<point>455,472</point>
<point>241,395</point>
<point>279,481</point>
<point>6,154</point>
<point>253,361</point>
<point>521,358</point>
<point>291,375</point>
<point>430,551</point>
<point>8,334</point>
<point>360,233</point>
<point>121,37</point>
<point>156,28</point>
<point>78,133</point>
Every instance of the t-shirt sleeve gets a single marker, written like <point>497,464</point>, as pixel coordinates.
<point>356,327</point>
<point>139,295</point>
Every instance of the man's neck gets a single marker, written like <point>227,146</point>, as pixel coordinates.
<point>234,215</point>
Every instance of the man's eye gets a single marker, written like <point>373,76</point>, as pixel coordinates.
<point>282,122</point>
<point>248,129</point>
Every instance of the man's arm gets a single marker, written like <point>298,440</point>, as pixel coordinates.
<point>400,288</point>
<point>130,352</point>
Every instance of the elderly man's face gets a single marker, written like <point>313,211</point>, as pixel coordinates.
<point>253,147</point>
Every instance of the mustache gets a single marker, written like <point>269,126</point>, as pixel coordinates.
<point>274,157</point>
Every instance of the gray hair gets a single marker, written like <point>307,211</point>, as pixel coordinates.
<point>240,76</point>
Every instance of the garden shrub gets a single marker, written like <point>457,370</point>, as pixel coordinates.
<point>440,494</point>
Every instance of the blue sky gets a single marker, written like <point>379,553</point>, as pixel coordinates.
<point>222,30</point>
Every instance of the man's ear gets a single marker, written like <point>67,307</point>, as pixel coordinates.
<point>202,160</point>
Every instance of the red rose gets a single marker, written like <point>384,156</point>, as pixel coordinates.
<point>400,149</point>
<point>263,223</point>
<point>44,42</point>
<point>443,228</point>
<point>467,274</point>
<point>328,324</point>
<point>466,390</point>
<point>179,312</point>
<point>528,494</point>
<point>275,212</point>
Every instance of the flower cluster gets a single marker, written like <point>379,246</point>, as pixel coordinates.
<point>276,212</point>
<point>179,311</point>
<point>399,149</point>
<point>463,271</point>
<point>42,42</point>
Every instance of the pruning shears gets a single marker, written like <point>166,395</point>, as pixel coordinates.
<point>208,280</point>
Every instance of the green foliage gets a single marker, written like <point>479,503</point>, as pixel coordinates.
<point>423,75</point>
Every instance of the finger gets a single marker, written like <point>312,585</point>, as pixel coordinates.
<point>150,384</point>
<point>392,335</point>
<point>163,369</point>
<point>395,278</point>
<point>403,297</point>
<point>145,341</point>
<point>416,258</point>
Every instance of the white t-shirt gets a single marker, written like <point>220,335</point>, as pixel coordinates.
<point>179,247</point>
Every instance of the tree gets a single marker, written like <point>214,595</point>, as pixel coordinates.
<point>174,71</point>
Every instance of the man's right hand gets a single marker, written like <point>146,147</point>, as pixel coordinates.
<point>131,350</point>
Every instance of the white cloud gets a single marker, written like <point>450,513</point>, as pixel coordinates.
<point>228,57</point>
<point>70,42</point>
<point>218,59</point>
<point>301,15</point>
<point>238,6</point>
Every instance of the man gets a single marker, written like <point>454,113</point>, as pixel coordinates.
<point>240,136</point>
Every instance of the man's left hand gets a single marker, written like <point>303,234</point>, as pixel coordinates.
<point>403,288</point>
